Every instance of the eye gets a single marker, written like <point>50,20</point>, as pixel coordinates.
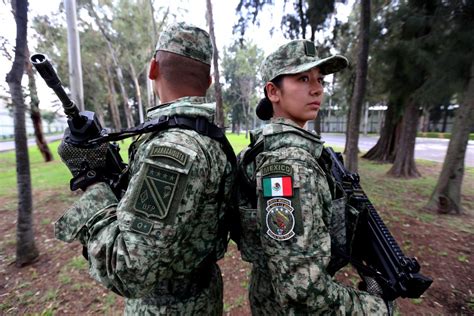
<point>303,78</point>
<point>321,81</point>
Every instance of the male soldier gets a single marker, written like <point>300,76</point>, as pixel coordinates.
<point>159,243</point>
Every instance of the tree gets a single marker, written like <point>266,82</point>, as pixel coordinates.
<point>26,250</point>
<point>217,85</point>
<point>240,63</point>
<point>446,197</point>
<point>35,113</point>
<point>352,148</point>
<point>455,75</point>
<point>100,22</point>
<point>406,42</point>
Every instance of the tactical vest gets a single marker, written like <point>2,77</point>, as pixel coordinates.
<point>205,128</point>
<point>341,231</point>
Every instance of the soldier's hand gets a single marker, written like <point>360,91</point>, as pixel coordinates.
<point>85,164</point>
<point>371,286</point>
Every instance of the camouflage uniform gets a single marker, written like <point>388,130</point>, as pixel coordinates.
<point>286,234</point>
<point>158,245</point>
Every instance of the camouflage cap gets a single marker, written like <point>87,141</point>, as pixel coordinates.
<point>298,56</point>
<point>186,40</point>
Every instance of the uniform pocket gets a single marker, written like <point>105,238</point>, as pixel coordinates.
<point>250,242</point>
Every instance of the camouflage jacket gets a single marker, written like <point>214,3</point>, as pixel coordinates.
<point>287,235</point>
<point>164,229</point>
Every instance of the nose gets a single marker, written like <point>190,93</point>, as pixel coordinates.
<point>317,87</point>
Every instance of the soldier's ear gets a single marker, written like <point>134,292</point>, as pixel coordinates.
<point>273,92</point>
<point>153,74</point>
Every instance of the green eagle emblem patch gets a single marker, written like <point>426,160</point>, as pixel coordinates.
<point>280,220</point>
<point>156,192</point>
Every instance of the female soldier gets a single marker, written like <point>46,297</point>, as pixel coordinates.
<point>285,206</point>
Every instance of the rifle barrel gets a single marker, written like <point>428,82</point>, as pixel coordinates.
<point>47,72</point>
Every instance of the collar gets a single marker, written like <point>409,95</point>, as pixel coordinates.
<point>283,132</point>
<point>186,106</point>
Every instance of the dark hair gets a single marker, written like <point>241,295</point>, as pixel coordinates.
<point>264,108</point>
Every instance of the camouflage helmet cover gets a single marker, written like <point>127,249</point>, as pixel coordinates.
<point>299,56</point>
<point>186,40</point>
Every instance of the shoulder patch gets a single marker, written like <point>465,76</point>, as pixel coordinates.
<point>279,219</point>
<point>277,186</point>
<point>157,191</point>
<point>169,152</point>
<point>277,168</point>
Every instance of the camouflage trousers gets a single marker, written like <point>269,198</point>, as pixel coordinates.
<point>183,297</point>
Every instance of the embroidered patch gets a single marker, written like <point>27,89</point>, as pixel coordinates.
<point>141,226</point>
<point>156,192</point>
<point>171,153</point>
<point>280,220</point>
<point>277,168</point>
<point>277,186</point>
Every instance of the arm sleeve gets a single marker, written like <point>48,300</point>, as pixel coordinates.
<point>145,237</point>
<point>298,264</point>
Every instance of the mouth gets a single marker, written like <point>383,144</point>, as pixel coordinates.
<point>315,105</point>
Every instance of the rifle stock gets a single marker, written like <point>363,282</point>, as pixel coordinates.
<point>374,250</point>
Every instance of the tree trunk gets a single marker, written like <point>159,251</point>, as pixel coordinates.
<point>118,69</point>
<point>352,149</point>
<point>217,86</point>
<point>114,111</point>
<point>384,149</point>
<point>302,18</point>
<point>446,197</point>
<point>35,113</point>
<point>445,119</point>
<point>26,251</point>
<point>404,164</point>
<point>138,94</point>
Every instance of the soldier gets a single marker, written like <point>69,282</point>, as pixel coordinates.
<point>285,200</point>
<point>158,244</point>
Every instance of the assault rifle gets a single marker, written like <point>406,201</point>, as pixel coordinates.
<point>374,251</point>
<point>85,131</point>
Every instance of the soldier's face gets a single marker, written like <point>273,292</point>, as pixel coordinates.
<point>299,96</point>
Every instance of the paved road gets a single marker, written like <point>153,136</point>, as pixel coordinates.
<point>10,145</point>
<point>425,148</point>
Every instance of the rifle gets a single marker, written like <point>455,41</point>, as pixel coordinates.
<point>374,251</point>
<point>85,131</point>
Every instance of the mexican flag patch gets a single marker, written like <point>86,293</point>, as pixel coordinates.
<point>278,186</point>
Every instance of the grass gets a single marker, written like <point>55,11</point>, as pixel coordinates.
<point>55,176</point>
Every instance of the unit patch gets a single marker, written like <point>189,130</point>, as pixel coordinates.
<point>280,220</point>
<point>156,192</point>
<point>169,152</point>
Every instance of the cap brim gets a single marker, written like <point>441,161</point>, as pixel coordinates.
<point>327,66</point>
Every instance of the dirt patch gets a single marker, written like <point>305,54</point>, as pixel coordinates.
<point>58,281</point>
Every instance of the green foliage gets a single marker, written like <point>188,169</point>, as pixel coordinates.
<point>241,62</point>
<point>238,142</point>
<point>463,258</point>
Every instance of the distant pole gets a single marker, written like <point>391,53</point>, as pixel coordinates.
<point>74,54</point>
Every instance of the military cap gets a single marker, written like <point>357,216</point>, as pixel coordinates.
<point>298,56</point>
<point>186,40</point>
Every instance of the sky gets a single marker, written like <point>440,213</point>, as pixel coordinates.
<point>194,13</point>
